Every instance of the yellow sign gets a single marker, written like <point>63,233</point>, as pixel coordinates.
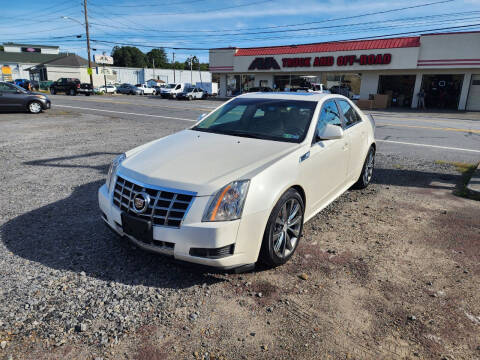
<point>6,70</point>
<point>89,71</point>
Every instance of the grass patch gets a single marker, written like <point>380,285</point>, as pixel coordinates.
<point>467,171</point>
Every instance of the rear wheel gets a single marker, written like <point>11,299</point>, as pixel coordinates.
<point>367,170</point>
<point>35,107</point>
<point>284,229</point>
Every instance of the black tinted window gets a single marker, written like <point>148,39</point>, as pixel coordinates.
<point>349,114</point>
<point>4,87</point>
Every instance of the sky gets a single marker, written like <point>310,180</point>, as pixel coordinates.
<point>194,26</point>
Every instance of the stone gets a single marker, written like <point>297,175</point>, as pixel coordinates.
<point>3,344</point>
<point>264,347</point>
<point>411,317</point>
<point>303,276</point>
<point>193,317</point>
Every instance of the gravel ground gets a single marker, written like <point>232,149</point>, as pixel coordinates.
<point>388,272</point>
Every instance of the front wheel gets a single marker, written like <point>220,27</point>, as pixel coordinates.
<point>284,229</point>
<point>367,170</point>
<point>35,107</point>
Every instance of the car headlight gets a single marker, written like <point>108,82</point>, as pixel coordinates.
<point>113,169</point>
<point>227,204</point>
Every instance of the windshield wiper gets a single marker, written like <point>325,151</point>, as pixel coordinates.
<point>244,134</point>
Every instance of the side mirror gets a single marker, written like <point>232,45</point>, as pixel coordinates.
<point>201,117</point>
<point>330,132</point>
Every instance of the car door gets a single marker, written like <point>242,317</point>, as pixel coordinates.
<point>324,167</point>
<point>10,96</point>
<point>356,135</point>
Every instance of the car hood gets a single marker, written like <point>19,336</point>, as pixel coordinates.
<point>201,162</point>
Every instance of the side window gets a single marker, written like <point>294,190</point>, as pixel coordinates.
<point>349,114</point>
<point>329,115</point>
<point>7,88</point>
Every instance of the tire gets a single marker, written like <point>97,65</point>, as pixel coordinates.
<point>35,107</point>
<point>190,98</point>
<point>52,91</point>
<point>367,170</point>
<point>142,93</point>
<point>280,240</point>
<point>72,92</point>
<point>87,94</point>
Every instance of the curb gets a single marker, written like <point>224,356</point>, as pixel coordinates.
<point>473,185</point>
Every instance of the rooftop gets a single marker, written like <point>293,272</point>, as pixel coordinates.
<point>401,42</point>
<point>26,57</point>
<point>30,45</point>
<point>68,60</point>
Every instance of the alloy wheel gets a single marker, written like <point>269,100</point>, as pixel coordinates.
<point>368,172</point>
<point>287,228</point>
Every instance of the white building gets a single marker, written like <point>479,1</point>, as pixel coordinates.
<point>446,66</point>
<point>140,75</point>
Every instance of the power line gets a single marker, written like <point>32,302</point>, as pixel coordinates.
<point>339,26</point>
<point>313,22</point>
<point>425,31</point>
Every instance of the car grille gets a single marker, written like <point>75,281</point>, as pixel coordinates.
<point>167,208</point>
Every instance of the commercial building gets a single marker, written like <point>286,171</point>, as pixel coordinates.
<point>17,59</point>
<point>446,66</point>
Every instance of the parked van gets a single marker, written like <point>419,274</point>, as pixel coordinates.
<point>179,88</point>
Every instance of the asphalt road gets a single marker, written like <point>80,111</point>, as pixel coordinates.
<point>452,137</point>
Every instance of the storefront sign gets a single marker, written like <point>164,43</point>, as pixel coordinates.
<point>269,63</point>
<point>31,49</point>
<point>264,64</point>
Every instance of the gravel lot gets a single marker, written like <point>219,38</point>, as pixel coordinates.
<point>390,272</point>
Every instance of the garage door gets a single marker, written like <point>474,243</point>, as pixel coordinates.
<point>473,101</point>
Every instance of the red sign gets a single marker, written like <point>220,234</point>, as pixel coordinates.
<point>321,61</point>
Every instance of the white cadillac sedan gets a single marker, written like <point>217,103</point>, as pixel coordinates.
<point>238,186</point>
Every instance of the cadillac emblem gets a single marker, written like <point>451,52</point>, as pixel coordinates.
<point>141,202</point>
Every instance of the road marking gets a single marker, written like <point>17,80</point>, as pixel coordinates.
<point>427,145</point>
<point>126,113</point>
<point>432,128</point>
<point>151,105</point>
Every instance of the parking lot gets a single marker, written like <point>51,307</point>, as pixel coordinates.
<point>390,272</point>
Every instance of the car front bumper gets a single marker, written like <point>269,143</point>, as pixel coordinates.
<point>179,242</point>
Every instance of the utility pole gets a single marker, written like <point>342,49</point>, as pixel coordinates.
<point>153,60</point>
<point>174,68</point>
<point>88,41</point>
<point>191,64</point>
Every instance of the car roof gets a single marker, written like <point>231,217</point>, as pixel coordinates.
<point>302,96</point>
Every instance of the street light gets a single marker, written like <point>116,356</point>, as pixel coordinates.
<point>88,38</point>
<point>69,18</point>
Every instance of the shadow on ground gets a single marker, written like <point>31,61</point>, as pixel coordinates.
<point>70,235</point>
<point>422,179</point>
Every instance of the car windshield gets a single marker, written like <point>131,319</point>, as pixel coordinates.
<point>188,90</point>
<point>270,119</point>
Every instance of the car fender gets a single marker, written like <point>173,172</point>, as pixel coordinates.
<point>265,190</point>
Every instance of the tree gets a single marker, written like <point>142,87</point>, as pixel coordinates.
<point>128,56</point>
<point>160,58</point>
<point>195,63</point>
<point>1,48</point>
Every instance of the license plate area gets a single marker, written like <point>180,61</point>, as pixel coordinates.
<point>140,229</point>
